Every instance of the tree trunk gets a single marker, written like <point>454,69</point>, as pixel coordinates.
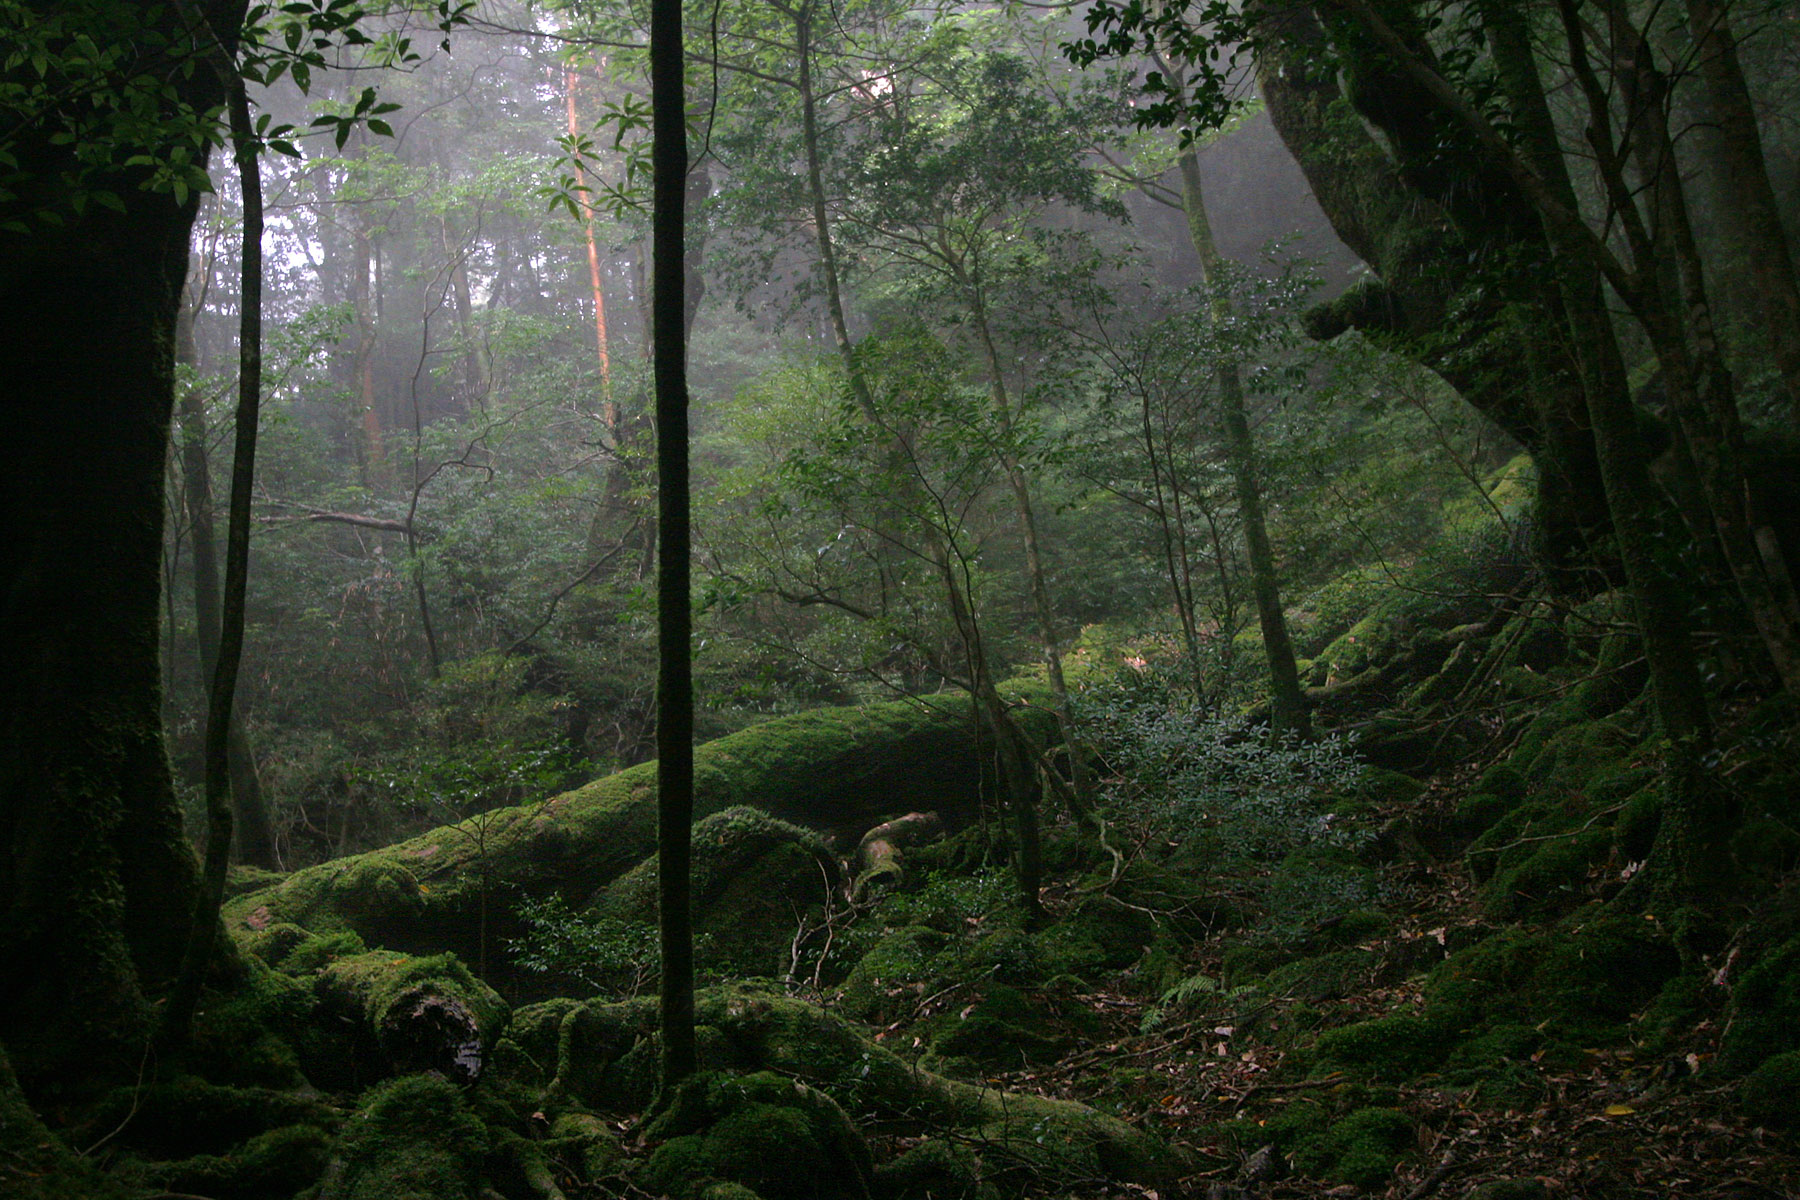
<point>675,684</point>
<point>255,837</point>
<point>204,931</point>
<point>1744,181</point>
<point>1287,704</point>
<point>1432,260</point>
<point>1080,790</point>
<point>97,884</point>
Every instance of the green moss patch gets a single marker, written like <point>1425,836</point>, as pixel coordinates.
<point>1362,1149</point>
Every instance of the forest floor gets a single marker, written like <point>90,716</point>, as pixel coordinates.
<point>1617,1123</point>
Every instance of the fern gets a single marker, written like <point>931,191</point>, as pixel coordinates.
<point>1188,991</point>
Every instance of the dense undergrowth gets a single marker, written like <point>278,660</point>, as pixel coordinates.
<point>1428,954</point>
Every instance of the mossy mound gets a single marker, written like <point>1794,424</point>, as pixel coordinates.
<point>1580,982</point>
<point>1361,1150</point>
<point>899,969</point>
<point>823,769</point>
<point>1765,1010</point>
<point>935,1169</point>
<point>412,1138</point>
<point>754,876</point>
<point>771,1134</point>
<point>1771,1093</point>
<point>586,1053</point>
<point>279,1162</point>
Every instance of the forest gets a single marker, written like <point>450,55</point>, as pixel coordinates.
<point>873,600</point>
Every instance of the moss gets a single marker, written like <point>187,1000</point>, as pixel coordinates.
<point>1394,1047</point>
<point>824,768</point>
<point>414,1013</point>
<point>1379,786</point>
<point>1097,934</point>
<point>319,951</point>
<point>1634,832</point>
<point>412,1138</point>
<point>779,1137</point>
<point>1550,877</point>
<point>935,1169</point>
<point>750,873</point>
<point>234,1037</point>
<point>1000,1029</point>
<point>242,877</point>
<point>1765,1010</point>
<point>1328,976</point>
<point>39,1166</point>
<point>188,1116</point>
<point>589,1141</point>
<point>1361,1150</point>
<point>279,1162</point>
<point>1771,1093</point>
<point>894,973</point>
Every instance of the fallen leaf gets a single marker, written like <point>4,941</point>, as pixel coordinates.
<point>1619,1110</point>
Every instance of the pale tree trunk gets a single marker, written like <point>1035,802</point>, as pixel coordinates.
<point>1080,787</point>
<point>1756,220</point>
<point>1287,704</point>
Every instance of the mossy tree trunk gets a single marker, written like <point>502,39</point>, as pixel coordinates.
<point>1429,221</point>
<point>97,885</point>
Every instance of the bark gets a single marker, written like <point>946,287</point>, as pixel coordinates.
<point>1694,825</point>
<point>675,685</point>
<point>1436,252</point>
<point>97,885</point>
<point>1744,182</point>
<point>1288,705</point>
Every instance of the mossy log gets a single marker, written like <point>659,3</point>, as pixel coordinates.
<point>443,890</point>
<point>878,858</point>
<point>414,1014</point>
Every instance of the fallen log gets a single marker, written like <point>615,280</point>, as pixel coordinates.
<point>455,888</point>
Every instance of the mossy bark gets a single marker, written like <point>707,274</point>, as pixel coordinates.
<point>1445,233</point>
<point>96,882</point>
<point>825,769</point>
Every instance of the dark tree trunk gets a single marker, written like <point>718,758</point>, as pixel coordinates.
<point>97,885</point>
<point>675,685</point>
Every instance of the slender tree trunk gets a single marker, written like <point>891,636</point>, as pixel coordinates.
<point>1287,704</point>
<point>1080,787</point>
<point>255,837</point>
<point>1745,180</point>
<point>675,685</point>
<point>204,932</point>
<point>609,412</point>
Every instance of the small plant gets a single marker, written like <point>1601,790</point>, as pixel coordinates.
<point>603,953</point>
<point>1182,772</point>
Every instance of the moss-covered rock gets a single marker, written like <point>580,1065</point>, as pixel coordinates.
<point>775,1135</point>
<point>1765,1010</point>
<point>1771,1093</point>
<point>824,769</point>
<point>1362,1149</point>
<point>935,1169</point>
<point>1033,1138</point>
<point>753,877</point>
<point>895,973</point>
<point>412,1138</point>
<point>277,1163</point>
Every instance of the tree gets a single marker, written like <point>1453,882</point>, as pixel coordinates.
<point>111,110</point>
<point>675,683</point>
